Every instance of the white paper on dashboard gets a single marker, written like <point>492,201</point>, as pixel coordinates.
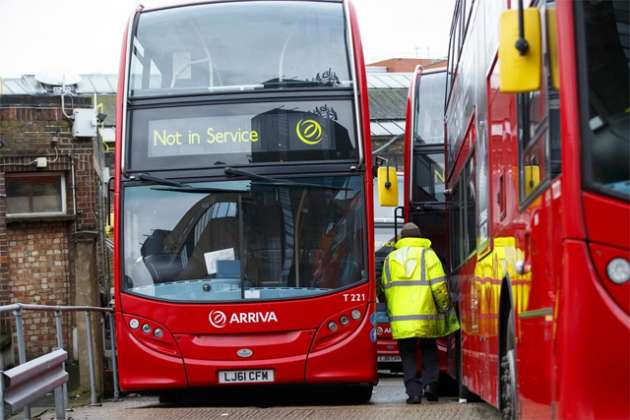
<point>212,258</point>
<point>252,294</point>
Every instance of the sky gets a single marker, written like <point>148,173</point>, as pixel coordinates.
<point>84,36</point>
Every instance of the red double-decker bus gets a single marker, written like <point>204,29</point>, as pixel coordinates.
<point>538,181</point>
<point>243,198</point>
<point>421,192</point>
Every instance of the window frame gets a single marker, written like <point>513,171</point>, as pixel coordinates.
<point>462,12</point>
<point>235,100</point>
<point>528,140</point>
<point>460,252</point>
<point>422,151</point>
<point>364,250</point>
<point>586,135</point>
<point>63,195</point>
<point>135,42</point>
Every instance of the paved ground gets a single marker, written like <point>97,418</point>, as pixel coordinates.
<point>388,402</point>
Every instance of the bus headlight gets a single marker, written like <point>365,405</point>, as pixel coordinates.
<point>356,314</point>
<point>337,328</point>
<point>149,333</point>
<point>618,270</point>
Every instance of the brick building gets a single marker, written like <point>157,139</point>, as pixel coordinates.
<point>49,212</point>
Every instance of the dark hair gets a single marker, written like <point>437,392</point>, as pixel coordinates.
<point>410,230</point>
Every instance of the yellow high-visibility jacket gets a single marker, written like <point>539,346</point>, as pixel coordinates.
<point>415,289</point>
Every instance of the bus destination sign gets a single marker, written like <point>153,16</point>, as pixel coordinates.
<point>276,130</point>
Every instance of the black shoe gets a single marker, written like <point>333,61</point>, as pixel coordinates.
<point>430,392</point>
<point>417,399</point>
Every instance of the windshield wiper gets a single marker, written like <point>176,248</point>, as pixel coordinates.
<point>201,190</point>
<point>279,83</point>
<point>292,184</point>
<point>170,185</point>
<point>158,180</point>
<point>267,180</point>
<point>260,180</point>
<point>247,174</point>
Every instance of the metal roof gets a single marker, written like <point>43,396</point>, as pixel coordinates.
<point>107,83</point>
<point>26,85</point>
<point>100,84</point>
<point>97,83</point>
<point>380,80</point>
<point>387,128</point>
<point>387,104</point>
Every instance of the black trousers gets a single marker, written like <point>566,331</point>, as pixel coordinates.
<point>430,370</point>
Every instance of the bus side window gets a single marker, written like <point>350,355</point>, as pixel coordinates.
<point>462,216</point>
<point>428,174</point>
<point>553,79</point>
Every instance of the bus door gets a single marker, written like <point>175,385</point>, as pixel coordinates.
<point>427,209</point>
<point>427,206</point>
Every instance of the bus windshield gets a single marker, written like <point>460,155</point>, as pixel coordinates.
<point>607,146</point>
<point>244,240</point>
<point>239,46</point>
<point>429,109</point>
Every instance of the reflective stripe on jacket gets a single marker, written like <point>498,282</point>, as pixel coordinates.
<point>416,293</point>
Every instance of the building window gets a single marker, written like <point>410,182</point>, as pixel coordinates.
<point>40,194</point>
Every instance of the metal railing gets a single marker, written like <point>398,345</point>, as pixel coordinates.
<point>18,308</point>
<point>29,381</point>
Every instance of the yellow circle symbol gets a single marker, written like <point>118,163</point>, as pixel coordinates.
<point>309,131</point>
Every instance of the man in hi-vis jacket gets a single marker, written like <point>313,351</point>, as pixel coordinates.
<point>419,309</point>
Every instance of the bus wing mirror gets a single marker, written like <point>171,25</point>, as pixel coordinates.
<point>378,162</point>
<point>387,180</point>
<point>532,178</point>
<point>520,52</point>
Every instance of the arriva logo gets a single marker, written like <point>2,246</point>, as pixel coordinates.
<point>309,131</point>
<point>219,319</point>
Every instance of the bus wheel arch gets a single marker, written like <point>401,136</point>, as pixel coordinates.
<point>508,374</point>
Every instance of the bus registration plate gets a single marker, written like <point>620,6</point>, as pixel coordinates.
<point>384,359</point>
<point>245,376</point>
